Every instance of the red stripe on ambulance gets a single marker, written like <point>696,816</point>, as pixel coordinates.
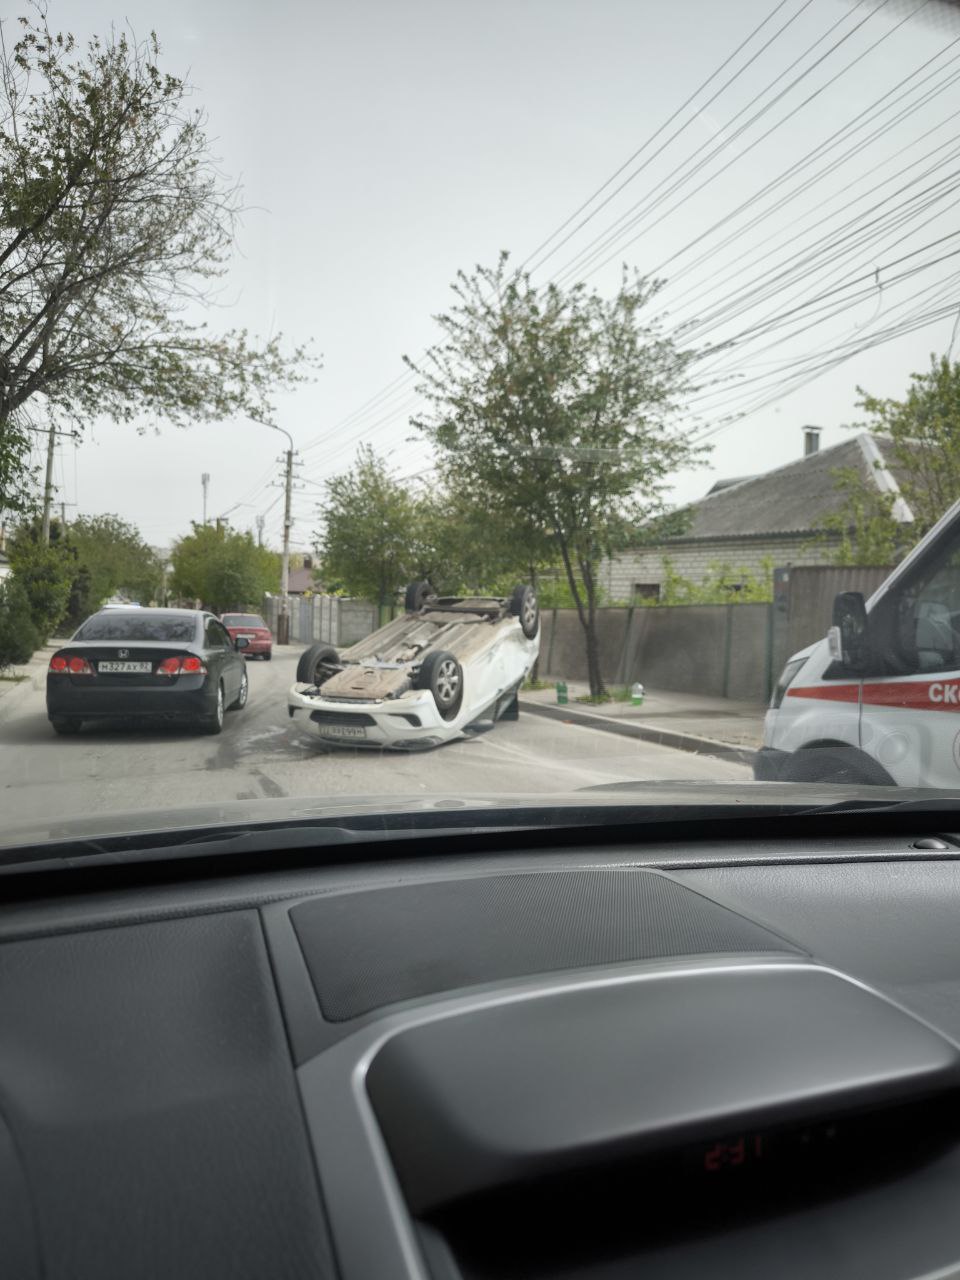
<point>916,695</point>
<point>828,692</point>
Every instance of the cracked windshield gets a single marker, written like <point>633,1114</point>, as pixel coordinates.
<point>406,400</point>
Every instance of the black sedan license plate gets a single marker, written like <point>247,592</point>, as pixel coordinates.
<point>125,668</point>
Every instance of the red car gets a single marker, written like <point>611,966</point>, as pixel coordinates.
<point>254,628</point>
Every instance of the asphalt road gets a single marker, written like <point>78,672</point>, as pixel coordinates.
<point>109,769</point>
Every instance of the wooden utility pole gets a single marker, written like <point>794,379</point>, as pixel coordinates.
<point>48,486</point>
<point>283,624</point>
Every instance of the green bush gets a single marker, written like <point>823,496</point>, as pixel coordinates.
<point>45,574</point>
<point>18,636</point>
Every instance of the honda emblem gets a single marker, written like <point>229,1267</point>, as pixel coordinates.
<point>123,653</point>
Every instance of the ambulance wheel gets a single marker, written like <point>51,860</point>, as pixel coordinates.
<point>835,762</point>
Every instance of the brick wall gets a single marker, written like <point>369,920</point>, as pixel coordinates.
<point>693,560</point>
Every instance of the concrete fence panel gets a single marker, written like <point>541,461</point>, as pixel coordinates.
<point>357,619</point>
<point>717,650</point>
<point>749,653</point>
<point>680,647</point>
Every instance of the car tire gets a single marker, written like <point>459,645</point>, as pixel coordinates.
<point>418,593</point>
<point>241,699</point>
<point>314,664</point>
<point>65,727</point>
<point>268,655</point>
<point>213,722</point>
<point>834,763</point>
<point>525,606</point>
<point>442,674</point>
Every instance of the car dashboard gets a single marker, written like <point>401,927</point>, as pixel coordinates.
<point>643,1059</point>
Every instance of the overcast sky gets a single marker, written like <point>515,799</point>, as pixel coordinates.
<point>383,144</point>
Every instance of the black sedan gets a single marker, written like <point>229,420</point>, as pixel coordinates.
<point>125,663</point>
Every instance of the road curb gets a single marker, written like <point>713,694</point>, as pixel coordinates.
<point>648,733</point>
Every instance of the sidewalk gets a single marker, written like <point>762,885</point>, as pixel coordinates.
<point>686,721</point>
<point>14,691</point>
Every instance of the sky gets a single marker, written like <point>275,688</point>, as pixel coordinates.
<point>383,145</point>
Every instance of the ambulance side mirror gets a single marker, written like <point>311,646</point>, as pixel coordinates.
<point>848,635</point>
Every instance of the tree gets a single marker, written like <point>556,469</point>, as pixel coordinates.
<point>111,556</point>
<point>556,409</point>
<point>45,573</point>
<point>923,431</point>
<point>867,530</point>
<point>369,536</point>
<point>18,636</point>
<point>461,550</point>
<point>113,222</point>
<point>723,583</point>
<point>223,569</point>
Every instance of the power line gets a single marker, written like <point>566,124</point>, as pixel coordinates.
<point>615,228</point>
<point>822,257</point>
<point>401,385</point>
<point>403,381</point>
<point>596,266</point>
<point>613,177</point>
<point>829,144</point>
<point>733,268</point>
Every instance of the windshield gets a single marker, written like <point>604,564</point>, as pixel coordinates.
<point>243,620</point>
<point>500,400</point>
<point>138,626</point>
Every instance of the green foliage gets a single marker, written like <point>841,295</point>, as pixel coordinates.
<point>868,532</point>
<point>111,557</point>
<point>223,569</point>
<point>555,593</point>
<point>45,573</point>
<point>377,536</point>
<point>671,524</point>
<point>369,543</point>
<point>923,431</point>
<point>460,549</point>
<point>19,638</point>
<point>723,584</point>
<point>113,219</point>
<point>555,410</point>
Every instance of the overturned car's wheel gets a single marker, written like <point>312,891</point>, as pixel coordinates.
<point>442,674</point>
<point>525,606</point>
<point>317,664</point>
<point>418,593</point>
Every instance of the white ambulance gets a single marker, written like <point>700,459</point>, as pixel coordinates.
<point>878,699</point>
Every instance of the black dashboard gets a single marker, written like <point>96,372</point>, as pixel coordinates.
<point>739,1059</point>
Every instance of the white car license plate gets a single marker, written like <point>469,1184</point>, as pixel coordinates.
<point>343,731</point>
<point>125,668</point>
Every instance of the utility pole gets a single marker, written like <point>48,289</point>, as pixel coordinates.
<point>205,481</point>
<point>283,618</point>
<point>283,622</point>
<point>48,486</point>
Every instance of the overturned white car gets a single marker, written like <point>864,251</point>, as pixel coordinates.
<point>447,664</point>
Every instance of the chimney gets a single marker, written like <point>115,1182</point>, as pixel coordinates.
<point>811,441</point>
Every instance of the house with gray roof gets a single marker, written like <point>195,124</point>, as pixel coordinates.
<point>746,522</point>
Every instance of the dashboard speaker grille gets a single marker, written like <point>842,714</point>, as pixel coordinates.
<point>376,947</point>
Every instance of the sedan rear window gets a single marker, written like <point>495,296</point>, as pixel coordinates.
<point>242,620</point>
<point>138,626</point>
